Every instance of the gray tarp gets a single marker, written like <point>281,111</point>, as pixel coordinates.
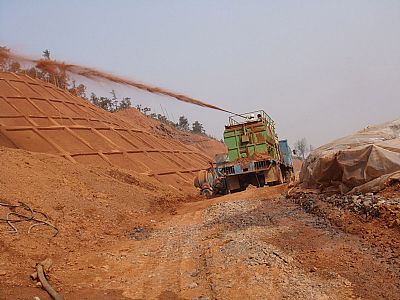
<point>354,160</point>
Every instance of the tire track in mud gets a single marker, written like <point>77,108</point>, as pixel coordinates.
<point>172,262</point>
<point>248,246</point>
<point>217,251</point>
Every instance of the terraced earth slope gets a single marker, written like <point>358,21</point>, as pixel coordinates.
<point>198,142</point>
<point>39,117</point>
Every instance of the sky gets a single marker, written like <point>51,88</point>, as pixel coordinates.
<point>320,69</point>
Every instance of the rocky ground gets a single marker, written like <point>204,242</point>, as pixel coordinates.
<point>369,206</point>
<point>257,244</point>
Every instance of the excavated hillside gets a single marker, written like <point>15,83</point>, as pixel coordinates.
<point>90,208</point>
<point>122,235</point>
<point>39,117</point>
<point>204,144</point>
<point>108,198</point>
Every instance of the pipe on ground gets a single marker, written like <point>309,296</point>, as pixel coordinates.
<point>46,285</point>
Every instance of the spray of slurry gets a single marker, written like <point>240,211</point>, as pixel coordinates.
<point>55,67</point>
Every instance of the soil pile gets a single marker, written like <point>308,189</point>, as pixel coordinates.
<point>255,244</point>
<point>90,206</point>
<point>121,237</point>
<point>39,117</point>
<point>207,146</point>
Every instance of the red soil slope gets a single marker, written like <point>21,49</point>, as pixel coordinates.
<point>39,117</point>
<point>92,207</point>
<point>207,146</point>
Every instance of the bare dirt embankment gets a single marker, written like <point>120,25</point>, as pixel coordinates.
<point>92,208</point>
<point>204,144</point>
<point>128,230</point>
<point>256,244</point>
<point>39,117</point>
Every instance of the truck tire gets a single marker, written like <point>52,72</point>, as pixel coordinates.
<point>207,193</point>
<point>261,181</point>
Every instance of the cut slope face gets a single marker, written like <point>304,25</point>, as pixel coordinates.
<point>39,117</point>
<point>92,207</point>
<point>204,144</point>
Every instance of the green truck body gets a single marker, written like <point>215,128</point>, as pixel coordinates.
<point>255,156</point>
<point>247,135</point>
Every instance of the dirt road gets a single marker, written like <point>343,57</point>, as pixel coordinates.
<point>252,245</point>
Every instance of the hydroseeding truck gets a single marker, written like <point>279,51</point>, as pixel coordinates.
<point>255,156</point>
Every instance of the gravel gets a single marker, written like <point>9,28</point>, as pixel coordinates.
<point>368,205</point>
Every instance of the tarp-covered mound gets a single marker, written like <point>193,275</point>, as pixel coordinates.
<point>354,160</point>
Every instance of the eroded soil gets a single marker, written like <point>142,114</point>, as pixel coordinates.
<point>251,245</point>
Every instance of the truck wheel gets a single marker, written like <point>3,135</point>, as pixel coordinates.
<point>207,193</point>
<point>286,176</point>
<point>261,180</point>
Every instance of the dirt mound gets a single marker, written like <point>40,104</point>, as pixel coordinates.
<point>207,146</point>
<point>391,191</point>
<point>90,206</point>
<point>39,117</point>
<point>50,181</point>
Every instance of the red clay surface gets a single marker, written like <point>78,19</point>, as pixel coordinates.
<point>40,117</point>
<point>205,145</point>
<point>92,207</point>
<point>250,245</point>
<point>125,235</point>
